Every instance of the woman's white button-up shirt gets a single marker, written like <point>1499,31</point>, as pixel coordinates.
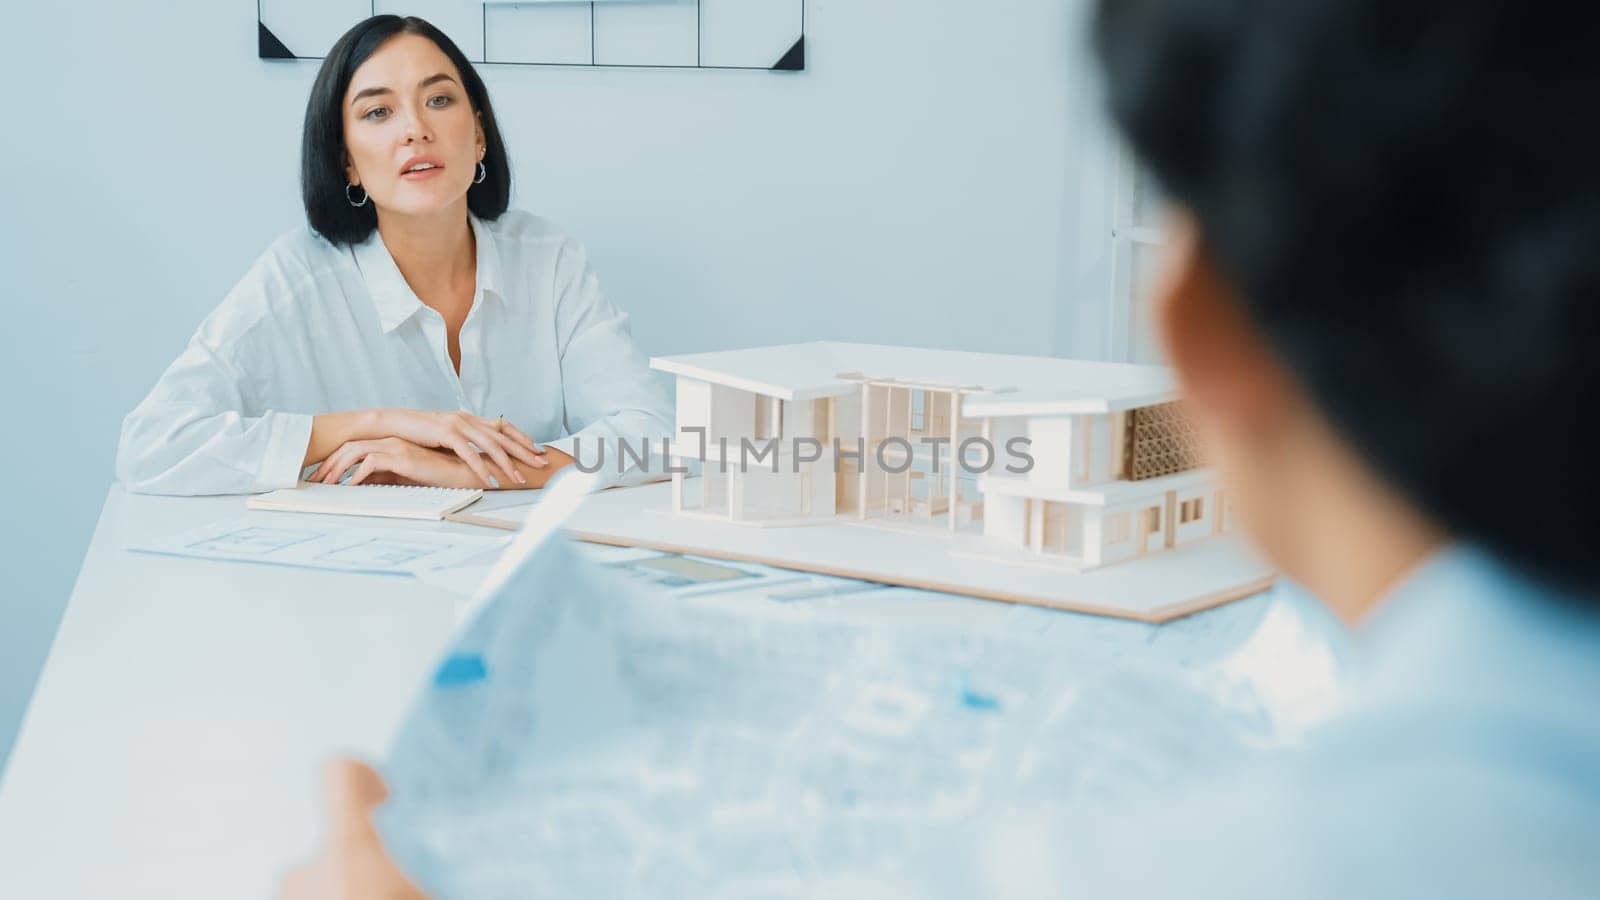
<point>316,327</point>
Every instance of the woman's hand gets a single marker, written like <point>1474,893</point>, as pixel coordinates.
<point>461,432</point>
<point>393,460</point>
<point>469,437</point>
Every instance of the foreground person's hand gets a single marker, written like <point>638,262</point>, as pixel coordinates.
<point>352,864</point>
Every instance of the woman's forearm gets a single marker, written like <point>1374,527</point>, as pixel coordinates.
<point>330,431</point>
<point>485,446</point>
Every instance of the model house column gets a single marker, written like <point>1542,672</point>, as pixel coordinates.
<point>911,463</point>
<point>1036,525</point>
<point>866,438</point>
<point>955,454</point>
<point>888,429</point>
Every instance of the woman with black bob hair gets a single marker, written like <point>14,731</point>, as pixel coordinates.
<point>417,332</point>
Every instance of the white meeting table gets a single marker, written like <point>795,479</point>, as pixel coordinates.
<point>174,744</point>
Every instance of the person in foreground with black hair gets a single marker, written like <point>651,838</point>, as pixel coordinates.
<point>1380,294</point>
<point>417,331</point>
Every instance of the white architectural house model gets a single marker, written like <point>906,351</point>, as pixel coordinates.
<point>1036,480</point>
<point>1071,463</point>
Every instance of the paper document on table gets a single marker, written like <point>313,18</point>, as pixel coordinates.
<point>393,501</point>
<point>589,737</point>
<point>673,573</point>
<point>325,545</point>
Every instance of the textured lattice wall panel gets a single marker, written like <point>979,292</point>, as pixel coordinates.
<point>1159,441</point>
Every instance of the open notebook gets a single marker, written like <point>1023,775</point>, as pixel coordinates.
<point>390,501</point>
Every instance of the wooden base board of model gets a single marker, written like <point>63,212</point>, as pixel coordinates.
<point>1158,588</point>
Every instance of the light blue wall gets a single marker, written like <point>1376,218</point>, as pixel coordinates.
<point>911,187</point>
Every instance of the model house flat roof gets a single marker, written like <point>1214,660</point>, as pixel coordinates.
<point>828,368</point>
<point>1067,403</point>
<point>788,372</point>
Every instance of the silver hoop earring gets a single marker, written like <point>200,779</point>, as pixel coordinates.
<point>483,172</point>
<point>352,200</point>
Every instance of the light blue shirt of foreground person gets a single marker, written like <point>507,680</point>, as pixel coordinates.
<point>1467,765</point>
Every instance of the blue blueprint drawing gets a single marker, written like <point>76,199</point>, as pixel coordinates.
<point>589,736</point>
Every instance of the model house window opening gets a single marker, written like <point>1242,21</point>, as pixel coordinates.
<point>1117,530</point>
<point>1191,510</point>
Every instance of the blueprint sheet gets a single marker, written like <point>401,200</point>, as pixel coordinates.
<point>593,736</point>
<point>323,542</point>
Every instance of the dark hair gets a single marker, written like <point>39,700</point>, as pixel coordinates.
<point>1407,197</point>
<point>322,150</point>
